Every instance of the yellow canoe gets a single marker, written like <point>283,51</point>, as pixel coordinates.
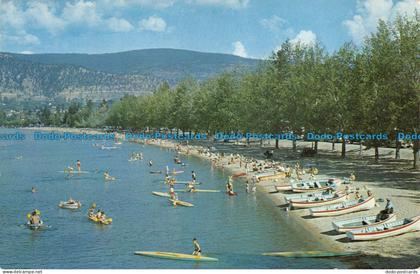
<point>96,220</point>
<point>175,256</point>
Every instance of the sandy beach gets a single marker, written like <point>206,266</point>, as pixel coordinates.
<point>388,178</point>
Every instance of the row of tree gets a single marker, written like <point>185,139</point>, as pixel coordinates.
<point>371,89</point>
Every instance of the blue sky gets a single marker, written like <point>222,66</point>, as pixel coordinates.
<point>249,28</point>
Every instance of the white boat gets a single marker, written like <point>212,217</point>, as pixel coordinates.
<point>270,175</point>
<point>343,208</point>
<point>385,230</point>
<point>305,195</point>
<point>360,223</point>
<point>315,185</point>
<point>283,187</point>
<point>66,204</point>
<point>319,201</point>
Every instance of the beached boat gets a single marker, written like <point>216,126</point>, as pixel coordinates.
<point>66,204</point>
<point>385,230</point>
<point>283,187</point>
<point>175,256</point>
<point>305,195</point>
<point>319,201</point>
<point>315,185</point>
<point>360,223</point>
<point>343,208</point>
<point>270,176</point>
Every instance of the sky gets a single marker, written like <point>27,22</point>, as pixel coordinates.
<point>247,28</point>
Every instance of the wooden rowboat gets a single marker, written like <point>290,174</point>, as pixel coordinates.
<point>360,223</point>
<point>343,208</point>
<point>385,230</point>
<point>315,185</point>
<point>270,176</point>
<point>319,201</point>
<point>283,187</point>
<point>305,195</point>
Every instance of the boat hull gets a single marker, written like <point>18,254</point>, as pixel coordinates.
<point>175,256</point>
<point>310,204</point>
<point>161,194</point>
<point>181,203</point>
<point>335,211</point>
<point>352,225</point>
<point>363,235</point>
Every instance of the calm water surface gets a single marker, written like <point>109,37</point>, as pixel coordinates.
<point>234,229</point>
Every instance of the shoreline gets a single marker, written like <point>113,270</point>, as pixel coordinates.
<point>393,252</point>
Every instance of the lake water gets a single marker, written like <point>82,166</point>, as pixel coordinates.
<point>234,229</point>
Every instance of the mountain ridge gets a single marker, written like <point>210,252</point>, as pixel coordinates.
<point>109,75</point>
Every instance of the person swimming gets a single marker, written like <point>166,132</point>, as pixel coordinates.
<point>150,163</point>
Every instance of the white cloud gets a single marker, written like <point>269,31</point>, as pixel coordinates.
<point>369,12</point>
<point>274,23</point>
<point>304,38</point>
<point>119,25</point>
<point>239,49</point>
<point>23,38</point>
<point>81,12</point>
<point>26,52</point>
<point>234,4</point>
<point>156,4</point>
<point>11,15</point>
<point>153,23</point>
<point>43,17</point>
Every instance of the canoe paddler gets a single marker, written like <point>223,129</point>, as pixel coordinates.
<point>172,193</point>
<point>91,210</point>
<point>191,186</point>
<point>197,248</point>
<point>34,217</point>
<point>193,176</point>
<point>79,166</point>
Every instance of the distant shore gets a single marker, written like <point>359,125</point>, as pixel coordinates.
<point>386,179</point>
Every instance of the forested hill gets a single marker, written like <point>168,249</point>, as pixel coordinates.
<point>109,75</point>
